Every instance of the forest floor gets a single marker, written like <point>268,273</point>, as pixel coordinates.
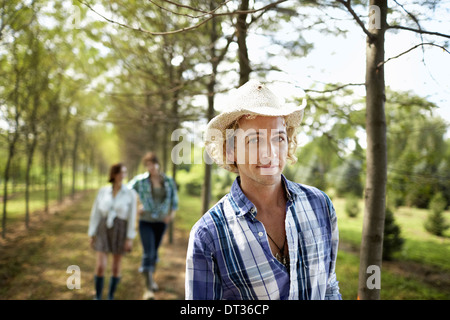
<point>34,262</point>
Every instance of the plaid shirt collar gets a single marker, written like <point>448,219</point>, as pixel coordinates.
<point>246,206</point>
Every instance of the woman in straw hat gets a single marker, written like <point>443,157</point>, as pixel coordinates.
<point>268,238</point>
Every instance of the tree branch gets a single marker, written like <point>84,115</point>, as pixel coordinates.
<point>421,31</point>
<point>335,89</point>
<point>204,13</point>
<point>410,49</point>
<point>211,13</point>
<point>417,22</point>
<point>147,31</point>
<point>348,5</point>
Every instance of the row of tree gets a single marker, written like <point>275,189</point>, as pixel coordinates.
<point>49,117</point>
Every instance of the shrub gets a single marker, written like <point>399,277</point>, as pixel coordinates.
<point>191,181</point>
<point>435,223</point>
<point>352,206</point>
<point>393,241</point>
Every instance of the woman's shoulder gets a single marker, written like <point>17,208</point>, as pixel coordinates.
<point>168,179</point>
<point>104,189</point>
<point>128,191</point>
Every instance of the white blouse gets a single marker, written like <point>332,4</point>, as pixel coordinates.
<point>122,206</point>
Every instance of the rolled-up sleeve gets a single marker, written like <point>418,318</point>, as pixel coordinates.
<point>174,196</point>
<point>131,227</point>
<point>95,216</point>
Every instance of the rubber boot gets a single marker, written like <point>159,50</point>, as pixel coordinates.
<point>113,282</point>
<point>148,294</point>
<point>98,287</point>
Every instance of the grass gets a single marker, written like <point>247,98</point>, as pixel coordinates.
<point>189,211</point>
<point>420,246</point>
<point>16,201</point>
<point>393,286</point>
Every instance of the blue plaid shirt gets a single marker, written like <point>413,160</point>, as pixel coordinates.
<point>229,256</point>
<point>158,211</point>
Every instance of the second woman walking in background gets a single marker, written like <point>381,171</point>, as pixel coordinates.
<point>159,201</point>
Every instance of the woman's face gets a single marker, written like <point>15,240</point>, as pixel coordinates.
<point>121,175</point>
<point>152,167</point>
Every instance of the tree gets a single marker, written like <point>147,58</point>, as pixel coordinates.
<point>376,152</point>
<point>216,56</point>
<point>42,94</point>
<point>435,223</point>
<point>349,180</point>
<point>15,98</point>
<point>37,87</point>
<point>416,149</point>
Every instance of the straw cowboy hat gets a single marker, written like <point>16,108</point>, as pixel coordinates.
<point>252,98</point>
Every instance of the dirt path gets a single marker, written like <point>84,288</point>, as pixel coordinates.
<point>33,263</point>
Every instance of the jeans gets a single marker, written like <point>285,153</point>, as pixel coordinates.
<point>151,234</point>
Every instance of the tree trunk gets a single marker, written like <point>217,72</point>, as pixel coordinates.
<point>75,157</point>
<point>11,145</point>
<point>376,158</point>
<point>31,147</point>
<point>6,179</point>
<point>210,113</point>
<point>62,157</point>
<point>175,76</point>
<point>241,26</point>
<point>30,152</point>
<point>165,138</point>
<point>46,173</point>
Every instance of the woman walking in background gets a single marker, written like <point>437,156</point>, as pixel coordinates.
<point>112,227</point>
<point>158,196</point>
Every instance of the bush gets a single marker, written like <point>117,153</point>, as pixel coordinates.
<point>222,184</point>
<point>352,206</point>
<point>191,181</point>
<point>349,179</point>
<point>392,242</point>
<point>435,223</point>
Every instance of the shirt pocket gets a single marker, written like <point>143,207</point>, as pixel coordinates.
<point>316,250</point>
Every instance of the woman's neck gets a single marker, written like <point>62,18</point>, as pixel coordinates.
<point>116,186</point>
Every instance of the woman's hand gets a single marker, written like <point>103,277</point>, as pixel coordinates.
<point>92,242</point>
<point>128,245</point>
<point>169,217</point>
<point>141,210</point>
